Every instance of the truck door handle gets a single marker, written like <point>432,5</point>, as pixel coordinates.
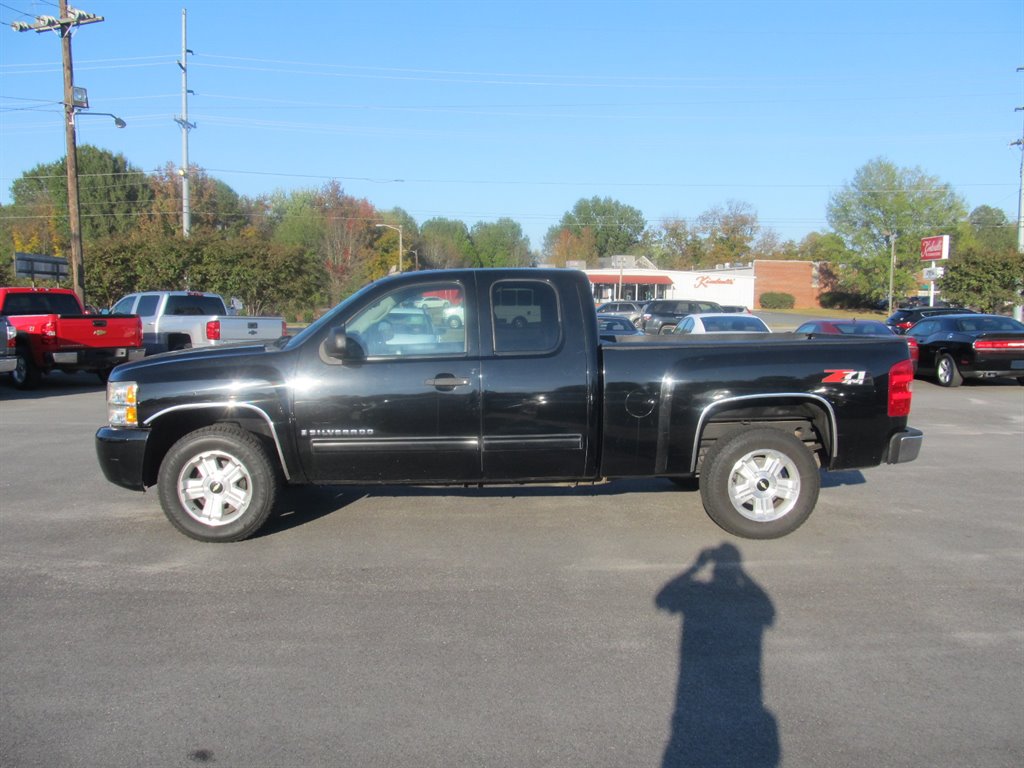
<point>445,382</point>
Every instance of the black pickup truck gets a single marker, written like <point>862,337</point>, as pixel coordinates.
<point>382,391</point>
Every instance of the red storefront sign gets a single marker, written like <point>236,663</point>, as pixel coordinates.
<point>935,248</point>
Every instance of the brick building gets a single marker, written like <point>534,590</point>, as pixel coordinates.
<point>800,279</point>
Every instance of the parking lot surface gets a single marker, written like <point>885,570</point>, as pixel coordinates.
<point>607,625</point>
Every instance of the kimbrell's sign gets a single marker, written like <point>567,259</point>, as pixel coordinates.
<point>935,248</point>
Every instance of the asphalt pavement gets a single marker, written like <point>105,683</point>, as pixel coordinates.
<point>607,625</point>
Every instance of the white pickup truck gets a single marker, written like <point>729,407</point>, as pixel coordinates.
<point>183,319</point>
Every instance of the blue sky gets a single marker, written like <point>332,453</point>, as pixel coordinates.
<point>481,110</point>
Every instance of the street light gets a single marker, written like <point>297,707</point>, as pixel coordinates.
<point>398,229</point>
<point>118,122</point>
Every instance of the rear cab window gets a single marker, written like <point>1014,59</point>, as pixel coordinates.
<point>525,317</point>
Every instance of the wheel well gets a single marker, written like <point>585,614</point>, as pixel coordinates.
<point>805,420</point>
<point>178,341</point>
<point>171,427</point>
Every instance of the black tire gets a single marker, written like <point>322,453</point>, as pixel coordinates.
<point>946,372</point>
<point>519,321</point>
<point>759,484</point>
<point>454,322</point>
<point>25,375</point>
<point>218,484</point>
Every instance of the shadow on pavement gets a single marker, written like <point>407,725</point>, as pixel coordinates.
<point>720,718</point>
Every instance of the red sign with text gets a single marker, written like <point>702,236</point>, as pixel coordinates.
<point>935,248</point>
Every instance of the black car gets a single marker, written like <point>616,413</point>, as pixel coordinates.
<point>903,319</point>
<point>969,346</point>
<point>666,313</point>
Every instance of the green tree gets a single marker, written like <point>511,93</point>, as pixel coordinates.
<point>987,280</point>
<point>501,243</point>
<point>884,201</point>
<point>616,228</point>
<point>991,229</point>
<point>728,233</point>
<point>113,197</point>
<point>674,244</point>
<point>447,244</point>
<point>212,203</point>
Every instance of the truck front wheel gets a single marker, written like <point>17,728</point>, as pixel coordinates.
<point>218,484</point>
<point>759,484</point>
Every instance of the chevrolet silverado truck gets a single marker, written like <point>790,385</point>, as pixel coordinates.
<point>356,398</point>
<point>174,320</point>
<point>53,332</point>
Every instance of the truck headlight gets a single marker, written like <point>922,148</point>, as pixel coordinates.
<point>122,403</point>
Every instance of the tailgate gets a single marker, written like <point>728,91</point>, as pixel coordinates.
<point>250,328</point>
<point>98,331</point>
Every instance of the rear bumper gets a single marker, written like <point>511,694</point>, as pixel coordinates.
<point>8,364</point>
<point>96,359</point>
<point>122,456</point>
<point>904,446</point>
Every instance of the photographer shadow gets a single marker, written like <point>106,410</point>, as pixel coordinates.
<point>719,717</point>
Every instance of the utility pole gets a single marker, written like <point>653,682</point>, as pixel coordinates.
<point>1018,309</point>
<point>64,26</point>
<point>186,126</point>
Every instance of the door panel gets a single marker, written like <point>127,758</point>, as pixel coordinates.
<point>406,407</point>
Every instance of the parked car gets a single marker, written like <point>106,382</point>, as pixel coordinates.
<point>432,302</point>
<point>735,309</point>
<point>903,319</point>
<point>631,310</point>
<point>668,312</point>
<point>719,323</point>
<point>970,346</point>
<point>8,346</point>
<point>454,317</point>
<point>834,327</point>
<point>610,327</point>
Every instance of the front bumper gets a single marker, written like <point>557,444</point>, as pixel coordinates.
<point>904,446</point>
<point>122,456</point>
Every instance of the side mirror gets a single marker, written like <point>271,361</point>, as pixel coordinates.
<point>337,342</point>
<point>340,346</point>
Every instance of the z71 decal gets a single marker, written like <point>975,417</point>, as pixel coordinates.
<point>843,376</point>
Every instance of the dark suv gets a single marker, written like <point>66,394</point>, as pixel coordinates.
<point>902,319</point>
<point>666,313</point>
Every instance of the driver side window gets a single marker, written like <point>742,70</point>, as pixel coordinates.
<point>426,320</point>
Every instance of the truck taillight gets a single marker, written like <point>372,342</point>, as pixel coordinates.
<point>901,381</point>
<point>213,330</point>
<point>48,330</point>
<point>12,336</point>
<point>284,328</point>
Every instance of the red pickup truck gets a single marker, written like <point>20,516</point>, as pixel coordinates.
<point>55,333</point>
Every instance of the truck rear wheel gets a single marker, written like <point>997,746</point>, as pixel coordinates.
<point>25,374</point>
<point>759,484</point>
<point>218,484</point>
